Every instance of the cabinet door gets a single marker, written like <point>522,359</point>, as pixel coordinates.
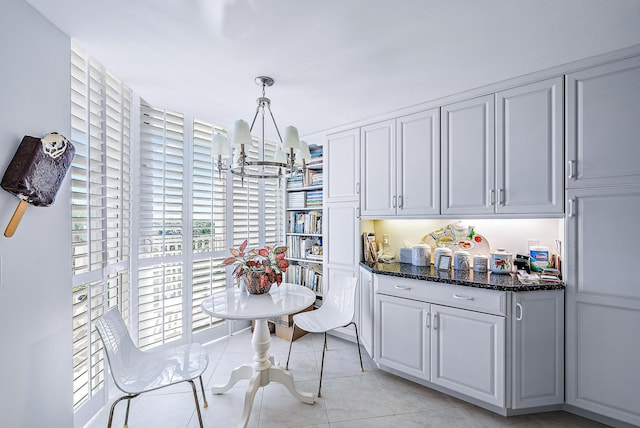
<point>603,125</point>
<point>341,230</point>
<point>378,159</point>
<point>366,310</point>
<point>468,157</point>
<point>418,164</point>
<point>402,335</point>
<point>603,302</point>
<point>342,166</point>
<point>529,149</point>
<point>468,353</point>
<point>538,348</point>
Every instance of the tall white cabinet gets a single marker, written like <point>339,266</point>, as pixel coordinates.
<point>341,214</point>
<point>603,205</point>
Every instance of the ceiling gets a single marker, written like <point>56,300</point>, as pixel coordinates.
<point>333,61</point>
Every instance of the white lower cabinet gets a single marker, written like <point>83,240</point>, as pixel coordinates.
<point>402,341</point>
<point>467,353</point>
<point>497,348</point>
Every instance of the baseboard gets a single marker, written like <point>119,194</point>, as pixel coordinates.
<point>597,417</point>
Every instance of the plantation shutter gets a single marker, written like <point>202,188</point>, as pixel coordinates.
<point>273,203</point>
<point>209,224</point>
<point>246,206</point>
<point>100,189</point>
<point>160,226</point>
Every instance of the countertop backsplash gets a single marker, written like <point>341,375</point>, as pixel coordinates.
<point>510,234</point>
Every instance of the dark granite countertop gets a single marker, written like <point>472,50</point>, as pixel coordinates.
<point>501,282</point>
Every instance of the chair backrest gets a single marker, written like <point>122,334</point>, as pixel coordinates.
<point>122,354</point>
<point>340,299</point>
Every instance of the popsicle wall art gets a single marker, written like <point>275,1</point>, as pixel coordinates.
<point>36,172</point>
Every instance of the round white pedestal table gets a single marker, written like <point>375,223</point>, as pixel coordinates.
<point>234,304</point>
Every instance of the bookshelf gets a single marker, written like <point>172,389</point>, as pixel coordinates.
<point>303,234</point>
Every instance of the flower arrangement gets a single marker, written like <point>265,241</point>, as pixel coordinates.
<point>267,263</point>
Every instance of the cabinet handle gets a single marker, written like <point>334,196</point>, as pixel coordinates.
<point>394,202</point>
<point>570,168</point>
<point>492,197</point>
<point>400,201</point>
<point>403,287</point>
<point>502,193</point>
<point>435,321</point>
<point>519,317</point>
<point>357,212</point>
<point>357,188</point>
<point>570,209</point>
<point>455,296</point>
<point>426,319</point>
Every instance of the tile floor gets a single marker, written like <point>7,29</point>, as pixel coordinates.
<point>350,398</point>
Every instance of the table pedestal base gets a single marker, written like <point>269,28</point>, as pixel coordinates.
<point>260,373</point>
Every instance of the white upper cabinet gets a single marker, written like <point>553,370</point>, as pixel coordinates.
<point>603,126</point>
<point>529,149</point>
<point>418,163</point>
<point>342,166</point>
<point>378,159</point>
<point>468,157</point>
<point>517,170</point>
<point>400,161</point>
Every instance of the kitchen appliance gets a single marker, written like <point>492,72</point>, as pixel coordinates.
<point>501,261</point>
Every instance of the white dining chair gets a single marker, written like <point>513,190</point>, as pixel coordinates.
<point>135,372</point>
<point>337,310</point>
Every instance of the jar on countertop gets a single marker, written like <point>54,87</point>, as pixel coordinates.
<point>501,261</point>
<point>461,260</point>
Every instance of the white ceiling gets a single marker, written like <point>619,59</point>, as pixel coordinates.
<point>334,61</point>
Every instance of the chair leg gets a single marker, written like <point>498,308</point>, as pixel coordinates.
<point>358,341</point>
<point>126,416</point>
<point>293,333</point>
<point>204,396</point>
<point>113,407</point>
<point>322,364</point>
<point>195,397</point>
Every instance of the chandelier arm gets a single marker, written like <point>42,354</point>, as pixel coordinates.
<point>274,123</point>
<point>255,116</point>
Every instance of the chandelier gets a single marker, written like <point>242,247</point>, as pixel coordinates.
<point>290,157</point>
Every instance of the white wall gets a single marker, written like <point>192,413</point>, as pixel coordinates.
<point>35,284</point>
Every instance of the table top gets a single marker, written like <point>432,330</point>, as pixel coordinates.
<point>235,304</point>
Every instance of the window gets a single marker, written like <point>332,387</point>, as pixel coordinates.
<point>187,216</point>
<point>100,175</point>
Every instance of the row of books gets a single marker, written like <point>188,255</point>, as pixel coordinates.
<point>297,200</point>
<point>311,178</point>
<point>309,276</point>
<point>369,247</point>
<point>314,198</point>
<point>300,247</point>
<point>296,181</point>
<point>309,222</point>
